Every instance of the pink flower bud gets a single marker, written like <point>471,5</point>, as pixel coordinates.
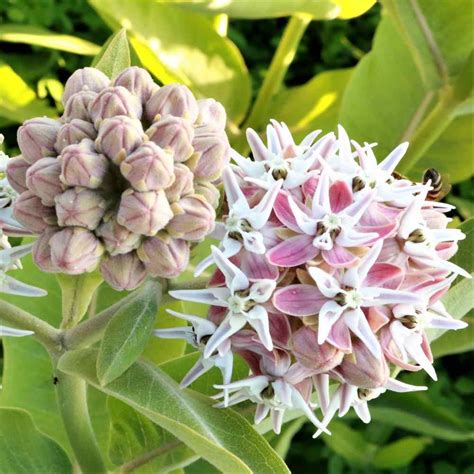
<point>117,239</point>
<point>138,81</point>
<point>144,213</point>
<point>149,168</point>
<point>175,133</point>
<point>42,251</point>
<point>119,136</point>
<point>210,193</point>
<point>362,369</point>
<point>314,356</point>
<point>211,154</point>
<point>164,258</point>
<point>75,250</point>
<point>80,207</point>
<point>30,212</point>
<point>16,173</point>
<point>182,185</point>
<point>82,166</point>
<point>36,138</point>
<point>42,178</point>
<point>74,132</point>
<point>212,114</point>
<point>123,272</point>
<point>77,106</point>
<point>193,218</point>
<point>173,99</point>
<point>114,101</point>
<point>87,79</point>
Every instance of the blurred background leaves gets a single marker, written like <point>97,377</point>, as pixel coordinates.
<point>392,71</point>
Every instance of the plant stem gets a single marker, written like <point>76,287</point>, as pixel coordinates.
<point>281,61</point>
<point>71,392</point>
<point>194,284</point>
<point>49,336</point>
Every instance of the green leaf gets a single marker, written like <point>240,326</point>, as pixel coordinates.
<point>407,95</point>
<point>314,105</point>
<point>222,437</point>
<point>282,443</point>
<point>465,207</point>
<point>349,444</point>
<point>465,255</point>
<point>24,449</point>
<point>114,56</point>
<point>127,333</point>
<point>455,342</point>
<point>177,45</point>
<point>318,9</point>
<point>18,101</point>
<point>134,439</point>
<point>28,34</point>
<point>400,453</point>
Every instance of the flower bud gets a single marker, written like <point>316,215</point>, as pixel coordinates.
<point>209,192</point>
<point>173,99</point>
<point>42,178</point>
<point>164,258</point>
<point>119,136</point>
<point>117,239</point>
<point>80,207</point>
<point>211,154</point>
<point>87,79</point>
<point>114,101</point>
<point>175,133</point>
<point>314,356</point>
<point>82,166</point>
<point>182,185</point>
<point>73,132</point>
<point>16,173</point>
<point>31,213</point>
<point>149,168</point>
<point>212,114</point>
<point>42,251</point>
<point>75,250</point>
<point>138,81</point>
<point>123,272</point>
<point>362,369</point>
<point>193,218</point>
<point>144,213</point>
<point>36,138</point>
<point>77,107</point>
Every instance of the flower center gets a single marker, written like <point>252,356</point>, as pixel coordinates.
<point>353,299</point>
<point>236,226</point>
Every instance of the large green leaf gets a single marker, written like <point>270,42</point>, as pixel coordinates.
<point>390,95</point>
<point>318,9</point>
<point>18,101</point>
<point>177,45</point>
<point>127,333</point>
<point>135,440</point>
<point>222,437</point>
<point>465,254</point>
<point>114,56</point>
<point>29,34</point>
<point>400,453</point>
<point>455,342</point>
<point>24,449</point>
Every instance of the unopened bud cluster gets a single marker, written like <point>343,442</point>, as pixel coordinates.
<point>124,180</point>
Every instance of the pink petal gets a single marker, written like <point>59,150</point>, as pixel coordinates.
<point>340,196</point>
<point>299,300</point>
<point>339,257</point>
<point>284,213</point>
<point>256,267</point>
<point>280,328</point>
<point>293,252</point>
<point>377,316</point>
<point>340,336</point>
<point>385,275</point>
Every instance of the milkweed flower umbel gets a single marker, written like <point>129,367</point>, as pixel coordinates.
<point>124,181</point>
<point>330,269</point>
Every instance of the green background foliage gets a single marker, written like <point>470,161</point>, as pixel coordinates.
<point>398,70</point>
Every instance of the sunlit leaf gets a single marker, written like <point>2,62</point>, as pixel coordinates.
<point>455,342</point>
<point>114,56</point>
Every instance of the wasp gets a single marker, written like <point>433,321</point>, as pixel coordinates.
<point>438,184</point>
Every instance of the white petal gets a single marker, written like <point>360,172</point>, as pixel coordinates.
<point>234,277</point>
<point>6,331</point>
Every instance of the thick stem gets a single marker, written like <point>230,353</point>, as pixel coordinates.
<point>71,392</point>
<point>194,284</point>
<point>49,336</point>
<point>281,61</point>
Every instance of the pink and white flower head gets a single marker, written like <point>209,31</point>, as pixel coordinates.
<point>330,267</point>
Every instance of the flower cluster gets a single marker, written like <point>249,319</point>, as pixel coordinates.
<point>330,268</point>
<point>123,180</point>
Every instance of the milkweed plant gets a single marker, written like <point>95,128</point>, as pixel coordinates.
<point>323,277</point>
